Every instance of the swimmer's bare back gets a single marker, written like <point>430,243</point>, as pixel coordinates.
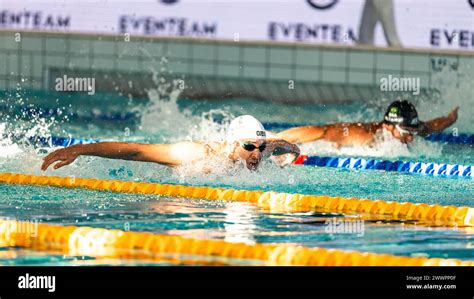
<point>341,134</point>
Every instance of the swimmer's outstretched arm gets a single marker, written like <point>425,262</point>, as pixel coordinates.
<point>166,154</point>
<point>439,124</point>
<point>303,134</point>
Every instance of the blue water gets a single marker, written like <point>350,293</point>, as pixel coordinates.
<point>235,222</point>
<point>231,221</point>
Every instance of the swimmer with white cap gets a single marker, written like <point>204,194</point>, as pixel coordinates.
<point>247,141</point>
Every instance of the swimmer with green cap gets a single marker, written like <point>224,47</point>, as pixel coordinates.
<point>247,142</point>
<point>400,120</point>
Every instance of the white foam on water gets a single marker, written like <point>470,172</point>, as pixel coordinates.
<point>385,146</point>
<point>7,148</point>
<point>207,129</point>
<point>16,152</point>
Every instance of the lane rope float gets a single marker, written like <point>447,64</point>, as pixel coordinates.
<point>434,169</point>
<point>435,215</point>
<point>100,242</point>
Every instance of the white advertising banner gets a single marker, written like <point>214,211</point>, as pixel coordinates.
<point>407,23</point>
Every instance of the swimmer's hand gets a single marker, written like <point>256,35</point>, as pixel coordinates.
<point>453,115</point>
<point>282,152</point>
<point>283,160</point>
<point>438,124</point>
<point>65,156</point>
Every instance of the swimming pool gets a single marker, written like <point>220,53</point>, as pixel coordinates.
<point>230,221</point>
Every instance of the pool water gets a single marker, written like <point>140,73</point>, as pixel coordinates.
<point>182,119</point>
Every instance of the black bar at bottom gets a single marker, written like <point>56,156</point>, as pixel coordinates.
<point>291,282</point>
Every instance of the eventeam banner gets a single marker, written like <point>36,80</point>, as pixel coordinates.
<point>405,23</point>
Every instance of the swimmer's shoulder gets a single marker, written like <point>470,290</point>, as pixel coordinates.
<point>373,127</point>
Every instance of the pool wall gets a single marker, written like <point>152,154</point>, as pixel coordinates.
<point>288,72</point>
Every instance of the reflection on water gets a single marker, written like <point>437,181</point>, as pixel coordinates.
<point>230,221</point>
<point>239,223</point>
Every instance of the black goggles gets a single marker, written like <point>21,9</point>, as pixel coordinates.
<point>251,147</point>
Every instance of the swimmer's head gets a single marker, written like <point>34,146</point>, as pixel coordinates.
<point>401,118</point>
<point>246,140</point>
<point>403,114</point>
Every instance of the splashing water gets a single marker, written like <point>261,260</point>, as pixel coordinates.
<point>455,90</point>
<point>385,146</point>
<point>207,129</point>
<point>162,116</point>
<point>7,148</point>
<point>19,127</point>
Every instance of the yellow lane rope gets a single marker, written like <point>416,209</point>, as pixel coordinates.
<point>428,214</point>
<point>99,242</point>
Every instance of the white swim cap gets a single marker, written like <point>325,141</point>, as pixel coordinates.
<point>245,127</point>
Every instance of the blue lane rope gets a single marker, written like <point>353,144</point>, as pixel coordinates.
<point>449,138</point>
<point>45,112</point>
<point>435,137</point>
<point>434,169</point>
<point>281,126</point>
<point>59,141</point>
